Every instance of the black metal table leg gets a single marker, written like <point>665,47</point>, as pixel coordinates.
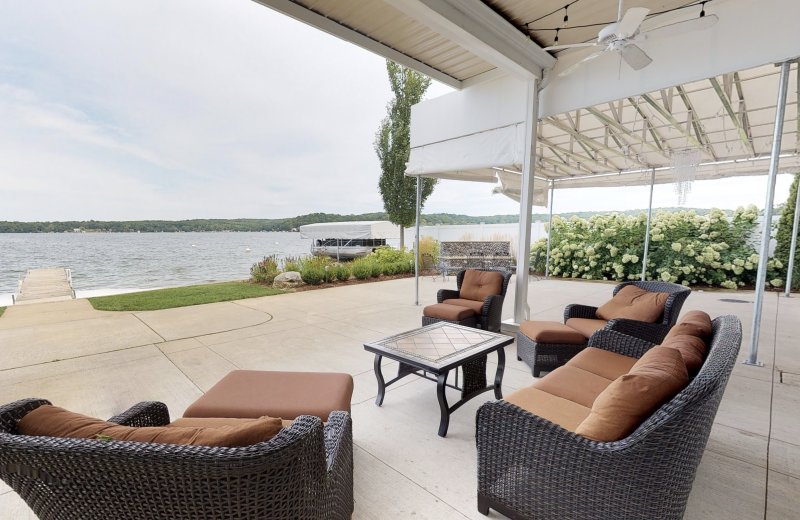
<point>381,382</point>
<point>498,377</point>
<point>444,409</point>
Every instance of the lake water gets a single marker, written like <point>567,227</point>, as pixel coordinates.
<point>113,262</point>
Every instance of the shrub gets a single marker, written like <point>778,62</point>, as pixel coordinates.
<point>292,263</point>
<point>362,269</point>
<point>265,271</point>
<point>389,255</point>
<point>341,273</point>
<point>376,269</point>
<point>403,267</point>
<point>428,245</point>
<point>784,238</point>
<point>313,275</point>
<point>390,269</point>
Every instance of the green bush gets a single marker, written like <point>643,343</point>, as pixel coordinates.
<point>685,248</point>
<point>265,271</point>
<point>389,255</point>
<point>784,237</point>
<point>376,268</point>
<point>362,269</point>
<point>390,269</point>
<point>342,273</point>
<point>313,275</point>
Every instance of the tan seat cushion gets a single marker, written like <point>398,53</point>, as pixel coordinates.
<point>52,421</point>
<point>252,393</point>
<point>585,326</point>
<point>602,362</point>
<point>476,306</point>
<point>654,379</point>
<point>555,409</point>
<point>633,303</point>
<point>551,332</point>
<point>446,311</point>
<point>214,422</point>
<point>573,384</point>
<point>479,285</point>
<point>692,349</point>
<point>693,323</point>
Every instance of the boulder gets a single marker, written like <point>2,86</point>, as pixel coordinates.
<point>288,280</point>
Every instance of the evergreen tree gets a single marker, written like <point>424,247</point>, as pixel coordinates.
<point>784,235</point>
<point>393,146</point>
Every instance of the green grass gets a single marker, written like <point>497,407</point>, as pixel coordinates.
<point>181,297</point>
<point>2,310</point>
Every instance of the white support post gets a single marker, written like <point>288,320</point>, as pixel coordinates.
<point>794,242</point>
<point>647,232</point>
<point>549,231</point>
<point>521,309</point>
<point>416,242</point>
<point>763,257</point>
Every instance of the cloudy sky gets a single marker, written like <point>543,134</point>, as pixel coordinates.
<point>173,109</point>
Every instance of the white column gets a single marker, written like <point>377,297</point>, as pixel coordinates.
<point>416,242</point>
<point>761,279</point>
<point>647,232</point>
<point>549,231</point>
<point>521,309</point>
<point>794,241</point>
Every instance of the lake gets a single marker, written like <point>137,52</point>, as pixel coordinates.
<point>111,262</point>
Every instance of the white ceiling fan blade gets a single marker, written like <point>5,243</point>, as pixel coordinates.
<point>572,45</point>
<point>697,24</point>
<point>581,63</point>
<point>631,21</point>
<point>635,57</point>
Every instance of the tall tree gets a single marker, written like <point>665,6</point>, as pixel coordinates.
<point>784,235</point>
<point>393,146</point>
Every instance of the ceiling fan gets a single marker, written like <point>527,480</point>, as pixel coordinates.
<point>623,35</point>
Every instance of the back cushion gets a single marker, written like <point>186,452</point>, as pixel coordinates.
<point>52,421</point>
<point>627,402</point>
<point>692,349</point>
<point>479,285</point>
<point>693,323</point>
<point>633,303</point>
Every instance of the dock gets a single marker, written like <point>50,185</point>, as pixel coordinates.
<point>45,285</point>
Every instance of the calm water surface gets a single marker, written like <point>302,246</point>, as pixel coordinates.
<point>142,260</point>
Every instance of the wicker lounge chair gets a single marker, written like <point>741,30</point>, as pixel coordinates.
<point>531,468</point>
<point>305,472</point>
<point>490,313</point>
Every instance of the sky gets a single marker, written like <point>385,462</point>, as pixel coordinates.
<point>178,109</point>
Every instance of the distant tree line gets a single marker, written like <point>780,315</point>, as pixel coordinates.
<point>280,224</point>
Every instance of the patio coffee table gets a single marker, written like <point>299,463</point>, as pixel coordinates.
<point>437,349</point>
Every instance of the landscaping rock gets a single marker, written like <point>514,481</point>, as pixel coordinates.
<point>288,280</point>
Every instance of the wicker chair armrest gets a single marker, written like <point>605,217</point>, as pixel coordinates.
<point>338,433</point>
<point>147,413</point>
<point>620,343</point>
<point>492,302</point>
<point>11,413</point>
<point>651,332</point>
<point>447,294</point>
<point>576,310</point>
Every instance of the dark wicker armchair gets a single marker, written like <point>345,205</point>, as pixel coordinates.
<point>652,332</point>
<point>530,468</point>
<point>491,314</point>
<point>305,472</point>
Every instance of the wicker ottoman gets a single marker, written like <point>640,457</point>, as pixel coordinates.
<point>547,345</point>
<point>245,394</point>
<point>450,313</point>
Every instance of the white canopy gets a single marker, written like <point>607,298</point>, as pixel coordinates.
<point>351,230</point>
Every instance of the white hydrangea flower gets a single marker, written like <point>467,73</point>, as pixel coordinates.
<point>676,246</point>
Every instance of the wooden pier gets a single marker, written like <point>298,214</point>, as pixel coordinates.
<point>45,285</point>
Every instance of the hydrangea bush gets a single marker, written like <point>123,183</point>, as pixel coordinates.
<point>685,248</point>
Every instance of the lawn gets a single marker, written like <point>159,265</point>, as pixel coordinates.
<point>2,310</point>
<point>181,297</point>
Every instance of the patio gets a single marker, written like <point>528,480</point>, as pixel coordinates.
<point>100,363</point>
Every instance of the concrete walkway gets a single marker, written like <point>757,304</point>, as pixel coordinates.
<point>101,363</point>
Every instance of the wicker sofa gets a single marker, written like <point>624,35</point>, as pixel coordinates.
<point>305,472</point>
<point>531,468</point>
<point>548,356</point>
<point>491,309</point>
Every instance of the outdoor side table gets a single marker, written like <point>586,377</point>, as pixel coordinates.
<point>438,349</point>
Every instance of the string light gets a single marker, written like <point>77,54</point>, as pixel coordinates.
<point>566,15</point>
<point>555,42</point>
<point>703,10</point>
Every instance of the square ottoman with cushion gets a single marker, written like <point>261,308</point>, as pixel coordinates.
<point>546,345</point>
<point>249,394</point>
<point>450,313</point>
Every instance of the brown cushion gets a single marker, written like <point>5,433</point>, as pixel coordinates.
<point>633,303</point>
<point>476,306</point>
<point>585,326</point>
<point>214,422</point>
<point>693,323</point>
<point>52,421</point>
<point>445,311</point>
<point>555,409</point>
<point>602,362</point>
<point>627,402</point>
<point>551,332</point>
<point>573,384</point>
<point>254,393</point>
<point>479,285</point>
<point>692,349</point>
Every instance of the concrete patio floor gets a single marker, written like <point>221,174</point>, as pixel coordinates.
<point>101,363</point>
